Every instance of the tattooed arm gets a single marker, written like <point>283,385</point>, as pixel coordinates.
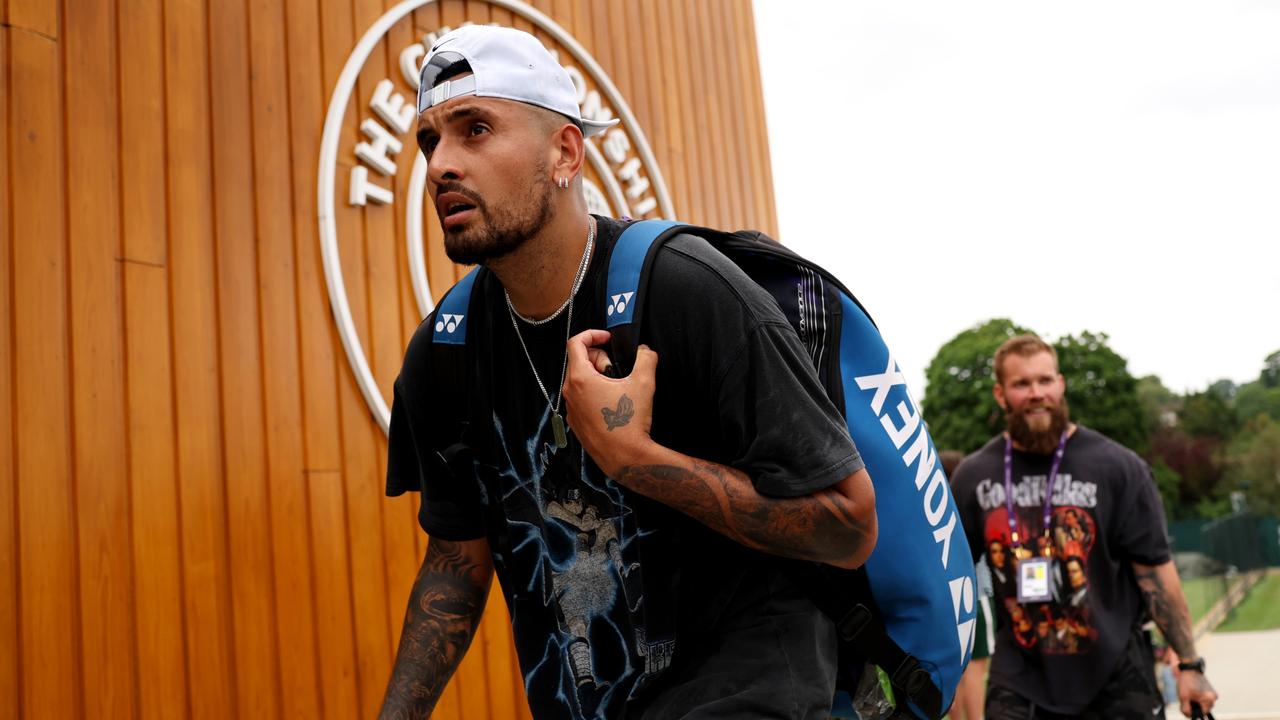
<point>836,525</point>
<point>1162,591</point>
<point>612,418</point>
<point>444,609</point>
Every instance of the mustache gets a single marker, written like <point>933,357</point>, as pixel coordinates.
<point>455,187</point>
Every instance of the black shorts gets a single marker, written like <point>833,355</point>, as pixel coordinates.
<point>1130,693</point>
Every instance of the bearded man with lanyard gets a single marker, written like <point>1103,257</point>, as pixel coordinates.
<point>1058,499</point>
<point>641,526</point>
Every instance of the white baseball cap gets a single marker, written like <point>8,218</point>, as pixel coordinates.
<point>505,63</point>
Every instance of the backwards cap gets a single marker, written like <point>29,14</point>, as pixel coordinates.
<point>505,63</point>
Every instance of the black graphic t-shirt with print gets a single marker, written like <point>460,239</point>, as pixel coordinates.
<point>606,587</point>
<point>1105,515</point>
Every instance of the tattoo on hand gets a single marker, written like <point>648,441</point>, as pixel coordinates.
<point>444,609</point>
<point>617,417</point>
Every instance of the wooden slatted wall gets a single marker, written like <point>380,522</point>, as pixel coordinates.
<point>191,516</point>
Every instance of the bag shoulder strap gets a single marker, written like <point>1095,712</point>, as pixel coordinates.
<point>451,367</point>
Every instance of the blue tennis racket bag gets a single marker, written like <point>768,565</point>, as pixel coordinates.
<point>911,609</point>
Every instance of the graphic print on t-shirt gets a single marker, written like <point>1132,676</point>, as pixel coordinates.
<point>1063,625</point>
<point>570,554</point>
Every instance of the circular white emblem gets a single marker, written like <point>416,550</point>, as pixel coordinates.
<point>627,181</point>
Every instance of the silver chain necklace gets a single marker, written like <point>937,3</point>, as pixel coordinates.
<point>557,420</point>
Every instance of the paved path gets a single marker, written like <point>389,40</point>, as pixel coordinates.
<point>1245,669</point>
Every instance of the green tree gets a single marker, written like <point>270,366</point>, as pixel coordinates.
<point>1200,466</point>
<point>1206,414</point>
<point>1168,482</point>
<point>1225,389</point>
<point>1256,399</point>
<point>1159,403</point>
<point>1102,392</point>
<point>958,405</point>
<point>1254,462</point>
<point>1271,370</point>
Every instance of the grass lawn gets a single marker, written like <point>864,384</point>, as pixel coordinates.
<point>1202,593</point>
<point>1260,609</point>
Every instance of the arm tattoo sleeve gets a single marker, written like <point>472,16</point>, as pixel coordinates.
<point>1167,605</point>
<point>444,609</point>
<point>821,527</point>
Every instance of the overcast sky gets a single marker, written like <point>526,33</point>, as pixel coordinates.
<point>1105,166</point>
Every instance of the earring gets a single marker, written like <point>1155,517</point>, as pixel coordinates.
<point>563,182</point>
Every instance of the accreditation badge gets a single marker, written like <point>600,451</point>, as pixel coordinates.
<point>1033,580</point>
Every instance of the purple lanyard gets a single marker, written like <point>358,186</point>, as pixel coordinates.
<point>1048,488</point>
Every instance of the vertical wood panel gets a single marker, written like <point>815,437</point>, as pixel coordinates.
<point>38,16</point>
<point>10,680</point>
<point>709,96</point>
<point>754,105</point>
<point>363,506</point>
<point>42,394</point>
<point>197,388</point>
<point>320,353</point>
<point>98,378</point>
<point>692,106</point>
<point>294,611</point>
<point>158,589</point>
<point>672,148</point>
<point>161,615</point>
<point>385,346</point>
<point>252,577</point>
<point>731,147</point>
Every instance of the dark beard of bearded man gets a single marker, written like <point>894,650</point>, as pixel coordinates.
<point>1042,442</point>
<point>502,231</point>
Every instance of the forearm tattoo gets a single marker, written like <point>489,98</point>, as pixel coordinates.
<point>444,609</point>
<point>822,527</point>
<point>1168,609</point>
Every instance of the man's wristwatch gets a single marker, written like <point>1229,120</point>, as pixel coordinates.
<point>1197,665</point>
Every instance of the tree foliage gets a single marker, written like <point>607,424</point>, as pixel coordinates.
<point>1159,403</point>
<point>1198,463</point>
<point>1206,414</point>
<point>1270,376</point>
<point>1168,483</point>
<point>1102,393</point>
<point>958,405</point>
<point>1254,399</point>
<point>1255,464</point>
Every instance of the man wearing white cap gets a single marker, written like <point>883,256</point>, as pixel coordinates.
<point>640,527</point>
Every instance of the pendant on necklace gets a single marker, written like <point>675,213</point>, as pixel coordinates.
<point>557,429</point>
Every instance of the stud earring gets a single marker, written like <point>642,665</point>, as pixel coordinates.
<point>563,182</point>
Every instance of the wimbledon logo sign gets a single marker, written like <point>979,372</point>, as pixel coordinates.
<point>622,176</point>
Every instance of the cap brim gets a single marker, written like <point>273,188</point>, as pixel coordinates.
<point>595,127</point>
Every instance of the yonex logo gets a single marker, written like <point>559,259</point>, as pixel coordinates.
<point>618,303</point>
<point>962,599</point>
<point>449,323</point>
<point>930,481</point>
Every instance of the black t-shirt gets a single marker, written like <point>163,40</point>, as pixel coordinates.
<point>606,587</point>
<point>1106,515</point>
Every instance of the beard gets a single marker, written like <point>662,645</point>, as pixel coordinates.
<point>497,232</point>
<point>1039,436</point>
